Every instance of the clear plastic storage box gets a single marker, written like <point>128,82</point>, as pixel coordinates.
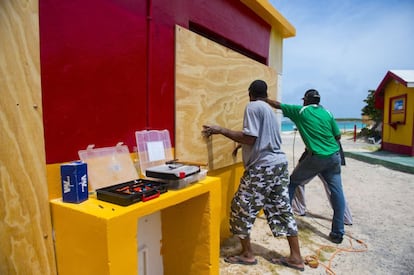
<point>154,151</point>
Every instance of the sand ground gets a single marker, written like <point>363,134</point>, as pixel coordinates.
<point>381,240</point>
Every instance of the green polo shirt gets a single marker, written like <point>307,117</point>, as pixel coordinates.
<point>316,126</point>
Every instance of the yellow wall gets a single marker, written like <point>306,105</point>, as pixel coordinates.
<point>96,237</point>
<point>230,179</point>
<point>403,134</point>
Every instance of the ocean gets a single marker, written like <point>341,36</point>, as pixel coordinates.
<point>344,125</point>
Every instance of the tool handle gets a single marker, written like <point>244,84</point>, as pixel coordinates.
<point>146,197</point>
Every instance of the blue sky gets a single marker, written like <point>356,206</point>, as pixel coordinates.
<point>344,48</point>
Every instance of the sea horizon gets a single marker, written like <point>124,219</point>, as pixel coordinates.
<point>345,125</point>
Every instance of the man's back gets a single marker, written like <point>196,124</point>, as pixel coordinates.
<point>260,121</point>
<point>316,126</point>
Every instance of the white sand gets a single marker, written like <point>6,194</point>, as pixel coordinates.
<point>382,203</point>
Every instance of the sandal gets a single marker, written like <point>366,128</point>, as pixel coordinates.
<point>283,261</point>
<point>239,260</point>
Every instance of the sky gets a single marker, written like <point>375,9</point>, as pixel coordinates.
<point>343,48</point>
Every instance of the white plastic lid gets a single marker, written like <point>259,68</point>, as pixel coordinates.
<point>108,165</point>
<point>154,148</point>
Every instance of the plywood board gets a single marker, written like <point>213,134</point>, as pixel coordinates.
<point>26,245</point>
<point>211,88</point>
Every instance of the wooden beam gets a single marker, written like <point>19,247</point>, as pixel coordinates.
<point>26,245</point>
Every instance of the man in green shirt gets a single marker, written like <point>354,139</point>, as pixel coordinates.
<point>320,133</point>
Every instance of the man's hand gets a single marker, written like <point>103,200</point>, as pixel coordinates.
<point>209,130</point>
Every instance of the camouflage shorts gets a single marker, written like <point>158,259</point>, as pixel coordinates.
<point>263,188</point>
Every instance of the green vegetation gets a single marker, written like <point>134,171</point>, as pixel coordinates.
<point>375,114</point>
<point>369,109</point>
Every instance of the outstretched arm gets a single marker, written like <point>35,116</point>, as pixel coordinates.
<point>273,103</point>
<point>237,136</point>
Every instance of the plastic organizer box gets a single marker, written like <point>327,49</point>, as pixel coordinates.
<point>154,150</point>
<point>112,175</point>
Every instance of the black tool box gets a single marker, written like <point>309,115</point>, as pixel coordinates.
<point>132,191</point>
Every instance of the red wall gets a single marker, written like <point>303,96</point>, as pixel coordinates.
<point>107,66</point>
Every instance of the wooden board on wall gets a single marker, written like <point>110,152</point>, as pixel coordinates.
<point>211,88</point>
<point>26,245</point>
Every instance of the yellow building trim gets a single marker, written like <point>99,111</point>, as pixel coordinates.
<point>268,13</point>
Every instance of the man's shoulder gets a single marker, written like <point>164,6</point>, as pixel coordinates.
<point>257,105</point>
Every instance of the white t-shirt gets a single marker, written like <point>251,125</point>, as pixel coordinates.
<point>261,122</point>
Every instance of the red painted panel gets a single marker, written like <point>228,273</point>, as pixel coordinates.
<point>106,72</point>
<point>234,21</point>
<point>93,74</point>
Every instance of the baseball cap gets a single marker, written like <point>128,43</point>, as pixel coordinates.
<point>311,94</point>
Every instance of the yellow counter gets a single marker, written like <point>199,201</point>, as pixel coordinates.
<point>96,237</point>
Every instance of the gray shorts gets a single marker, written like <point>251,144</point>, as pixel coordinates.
<point>263,188</point>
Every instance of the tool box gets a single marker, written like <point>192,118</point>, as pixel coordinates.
<point>131,192</point>
<point>113,176</point>
<point>157,162</point>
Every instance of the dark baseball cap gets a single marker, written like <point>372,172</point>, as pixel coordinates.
<point>311,94</point>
